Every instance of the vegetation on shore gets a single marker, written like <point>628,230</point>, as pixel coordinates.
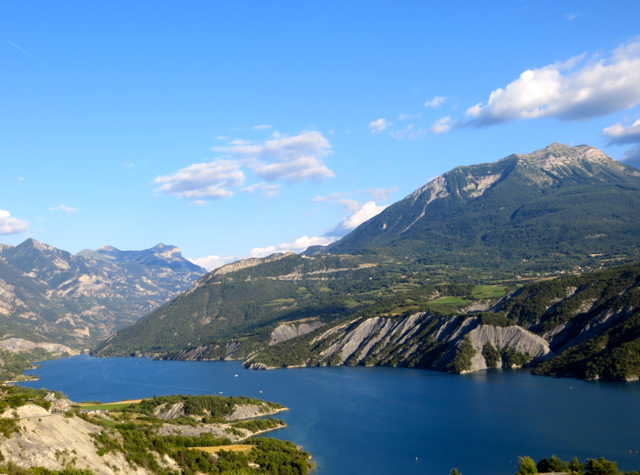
<point>135,434</point>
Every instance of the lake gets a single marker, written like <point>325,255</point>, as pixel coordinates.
<point>357,420</point>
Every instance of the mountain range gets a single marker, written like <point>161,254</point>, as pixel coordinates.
<point>421,270</point>
<point>48,295</point>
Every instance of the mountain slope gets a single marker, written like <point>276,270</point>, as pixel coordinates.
<point>564,200</point>
<point>50,295</point>
<point>586,326</point>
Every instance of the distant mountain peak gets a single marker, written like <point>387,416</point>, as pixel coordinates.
<point>108,249</point>
<point>40,246</point>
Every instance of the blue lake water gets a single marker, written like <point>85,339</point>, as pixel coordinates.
<point>392,420</point>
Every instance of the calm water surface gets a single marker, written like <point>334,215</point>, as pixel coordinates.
<point>391,420</point>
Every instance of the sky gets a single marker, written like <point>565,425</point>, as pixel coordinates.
<point>242,128</point>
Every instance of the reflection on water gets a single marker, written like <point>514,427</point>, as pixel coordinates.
<point>393,420</point>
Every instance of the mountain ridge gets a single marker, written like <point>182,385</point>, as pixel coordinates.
<point>50,295</point>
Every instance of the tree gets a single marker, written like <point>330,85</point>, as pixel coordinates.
<point>601,467</point>
<point>554,464</point>
<point>575,467</point>
<point>527,466</point>
<point>454,471</point>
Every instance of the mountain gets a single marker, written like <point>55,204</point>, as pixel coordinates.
<point>561,201</point>
<point>417,273</point>
<point>50,295</point>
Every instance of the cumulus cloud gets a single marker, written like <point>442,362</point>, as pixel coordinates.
<point>202,181</point>
<point>212,262</point>
<point>65,209</point>
<point>440,126</point>
<point>435,102</point>
<point>268,191</point>
<point>578,89</point>
<point>292,159</point>
<point>359,215</point>
<point>11,225</point>
<point>618,134</point>
<point>377,126</point>
<point>298,245</point>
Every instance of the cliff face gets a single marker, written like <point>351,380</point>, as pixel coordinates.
<point>54,441</point>
<point>420,340</point>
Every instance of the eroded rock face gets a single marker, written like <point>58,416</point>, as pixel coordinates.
<point>286,331</point>
<point>513,337</point>
<point>53,441</point>
<point>169,411</point>
<point>18,345</point>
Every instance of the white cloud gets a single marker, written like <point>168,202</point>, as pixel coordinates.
<point>435,102</point>
<point>408,116</point>
<point>203,181</point>
<point>570,16</point>
<point>298,245</point>
<point>618,134</point>
<point>440,126</point>
<point>262,127</point>
<point>269,191</point>
<point>409,132</point>
<point>356,218</point>
<point>329,198</point>
<point>212,262</point>
<point>381,194</point>
<point>10,225</point>
<point>222,137</point>
<point>578,89</point>
<point>632,157</point>
<point>292,159</point>
<point>20,178</point>
<point>66,209</point>
<point>377,194</point>
<point>349,205</point>
<point>378,126</point>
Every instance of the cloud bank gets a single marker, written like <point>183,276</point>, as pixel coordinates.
<point>578,89</point>
<point>291,159</point>
<point>203,181</point>
<point>618,134</point>
<point>11,225</point>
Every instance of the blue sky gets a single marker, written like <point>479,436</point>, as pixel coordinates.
<point>239,128</point>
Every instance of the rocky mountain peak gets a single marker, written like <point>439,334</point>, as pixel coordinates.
<point>40,246</point>
<point>558,154</point>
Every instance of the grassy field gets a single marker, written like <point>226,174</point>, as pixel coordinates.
<point>112,406</point>
<point>488,291</point>
<point>454,301</point>
<point>230,448</point>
